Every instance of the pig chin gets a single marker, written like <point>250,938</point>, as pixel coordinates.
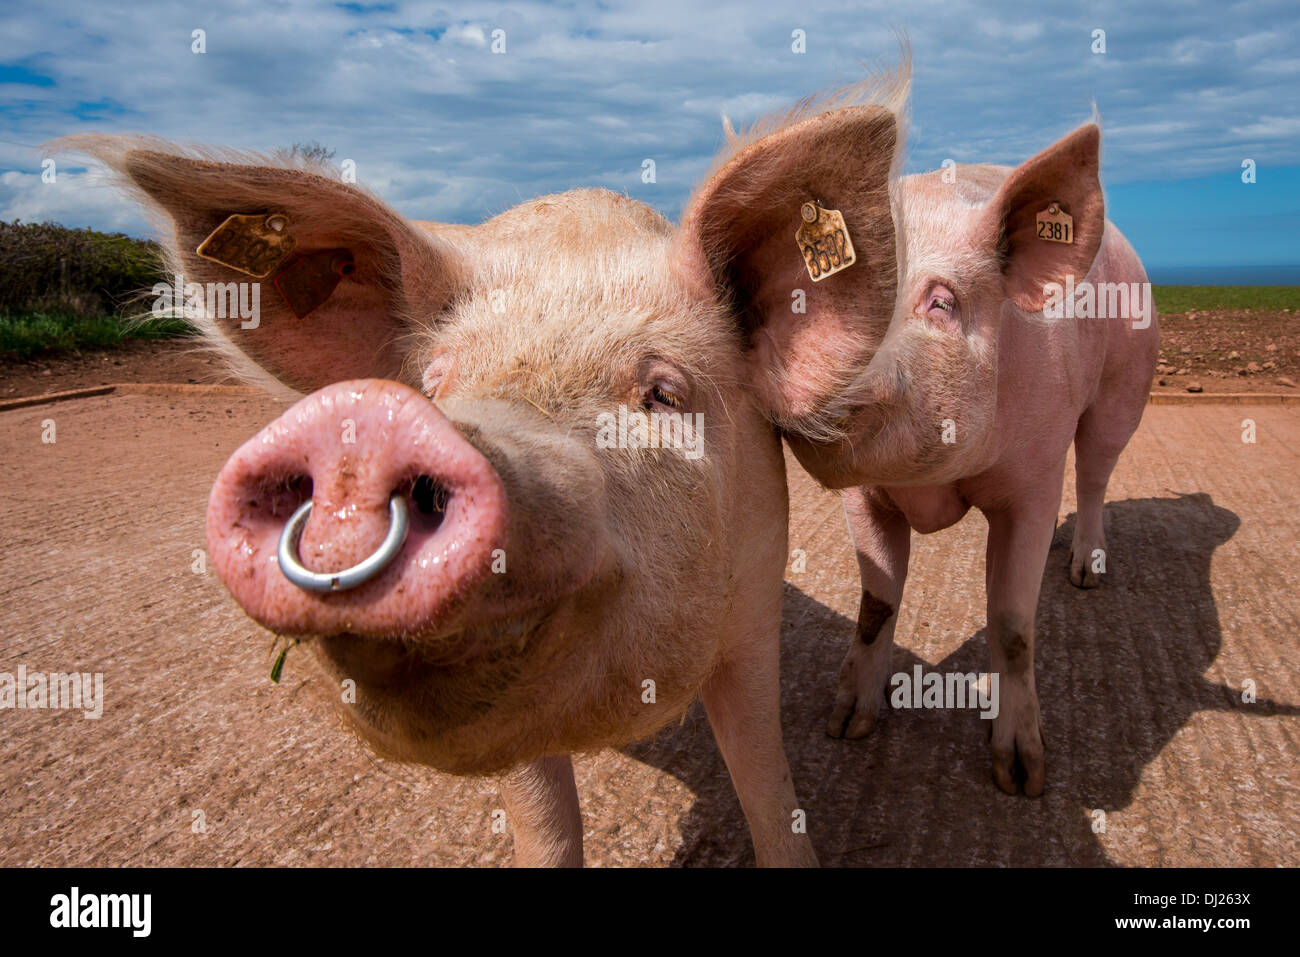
<point>464,701</point>
<point>927,420</point>
<point>411,698</point>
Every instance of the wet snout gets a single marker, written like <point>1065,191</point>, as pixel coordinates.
<point>362,509</point>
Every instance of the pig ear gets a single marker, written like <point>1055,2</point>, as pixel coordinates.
<point>805,340</point>
<point>356,272</point>
<point>1064,175</point>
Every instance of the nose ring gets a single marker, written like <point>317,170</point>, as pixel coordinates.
<point>358,574</point>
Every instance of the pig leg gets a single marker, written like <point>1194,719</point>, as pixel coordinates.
<point>1019,538</point>
<point>542,803</point>
<point>882,539</point>
<point>743,701</point>
<point>1100,438</point>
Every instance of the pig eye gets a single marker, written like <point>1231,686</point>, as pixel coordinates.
<point>663,396</point>
<point>940,305</point>
<point>662,385</point>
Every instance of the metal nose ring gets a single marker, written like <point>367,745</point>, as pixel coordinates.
<point>358,574</point>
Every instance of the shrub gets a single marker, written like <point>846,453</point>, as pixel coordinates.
<point>49,268</point>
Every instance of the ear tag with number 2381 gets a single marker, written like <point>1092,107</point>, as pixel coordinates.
<point>824,241</point>
<point>1055,225</point>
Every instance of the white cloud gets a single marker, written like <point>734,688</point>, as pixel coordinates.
<point>445,129</point>
<point>1269,127</point>
<point>470,34</point>
<point>73,198</point>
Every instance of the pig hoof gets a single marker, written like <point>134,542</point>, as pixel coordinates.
<point>851,719</point>
<point>1019,765</point>
<point>864,676</point>
<point>1084,577</point>
<point>1081,575</point>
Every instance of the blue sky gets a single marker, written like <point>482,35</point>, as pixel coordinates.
<point>445,129</point>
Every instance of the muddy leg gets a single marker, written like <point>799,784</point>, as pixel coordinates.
<point>1019,539</point>
<point>882,539</point>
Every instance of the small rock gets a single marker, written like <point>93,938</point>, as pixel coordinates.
<point>45,372</point>
<point>1162,381</point>
<point>1269,366</point>
<point>1241,370</point>
<point>1252,367</point>
<point>1234,354</point>
<point>1271,347</point>
<point>1185,370</point>
<point>1187,350</point>
<point>1286,381</point>
<point>1195,387</point>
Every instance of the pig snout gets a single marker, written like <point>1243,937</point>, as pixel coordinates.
<point>397,516</point>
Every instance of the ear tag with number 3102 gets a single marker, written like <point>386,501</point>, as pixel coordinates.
<point>824,241</point>
<point>252,243</point>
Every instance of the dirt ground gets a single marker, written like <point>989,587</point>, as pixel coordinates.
<point>1229,350</point>
<point>141,360</point>
<point>199,760</point>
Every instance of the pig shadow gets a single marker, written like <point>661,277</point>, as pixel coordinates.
<point>1120,670</point>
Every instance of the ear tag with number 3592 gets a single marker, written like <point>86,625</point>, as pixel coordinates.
<point>1055,225</point>
<point>824,241</point>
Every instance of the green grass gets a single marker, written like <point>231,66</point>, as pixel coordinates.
<point>27,334</point>
<point>1186,298</point>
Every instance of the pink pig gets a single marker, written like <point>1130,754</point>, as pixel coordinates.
<point>1004,347</point>
<point>448,519</point>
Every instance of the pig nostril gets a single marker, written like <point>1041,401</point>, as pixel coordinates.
<point>429,497</point>
<point>278,497</point>
<point>428,503</point>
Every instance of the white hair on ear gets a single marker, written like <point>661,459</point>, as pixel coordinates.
<point>888,88</point>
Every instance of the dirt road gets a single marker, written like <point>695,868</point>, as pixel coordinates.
<point>198,759</point>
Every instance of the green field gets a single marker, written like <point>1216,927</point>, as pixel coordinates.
<point>1188,298</point>
<point>26,334</point>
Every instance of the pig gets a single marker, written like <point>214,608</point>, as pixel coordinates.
<point>436,517</point>
<point>993,361</point>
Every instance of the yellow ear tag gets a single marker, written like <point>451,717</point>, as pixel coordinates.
<point>252,244</point>
<point>824,241</point>
<point>1055,225</point>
